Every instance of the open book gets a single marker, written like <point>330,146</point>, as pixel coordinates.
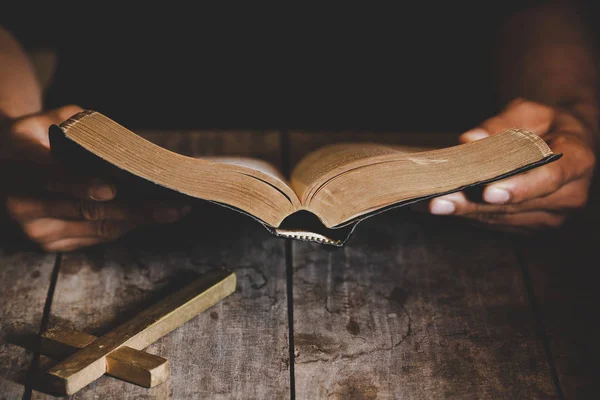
<point>330,190</point>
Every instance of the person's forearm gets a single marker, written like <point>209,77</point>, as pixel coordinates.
<point>20,92</point>
<point>544,55</point>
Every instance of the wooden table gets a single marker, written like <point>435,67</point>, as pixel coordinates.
<point>414,306</point>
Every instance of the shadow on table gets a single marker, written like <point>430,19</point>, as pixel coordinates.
<point>33,378</point>
<point>27,340</point>
<point>207,225</point>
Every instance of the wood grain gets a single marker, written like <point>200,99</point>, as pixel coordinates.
<point>24,282</point>
<point>415,307</point>
<point>89,363</point>
<point>240,347</point>
<point>125,363</point>
<point>563,267</point>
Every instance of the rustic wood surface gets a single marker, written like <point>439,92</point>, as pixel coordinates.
<point>24,281</point>
<point>558,270</point>
<point>413,307</point>
<point>89,363</point>
<point>239,347</point>
<point>218,352</point>
<point>563,270</point>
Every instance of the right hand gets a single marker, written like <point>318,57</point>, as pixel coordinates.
<point>543,197</point>
<point>57,209</point>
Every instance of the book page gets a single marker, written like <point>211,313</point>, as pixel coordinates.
<point>252,186</point>
<point>252,163</point>
<point>342,182</point>
<point>337,183</point>
<point>329,161</point>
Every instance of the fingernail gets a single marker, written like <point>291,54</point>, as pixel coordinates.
<point>102,192</point>
<point>442,207</point>
<point>475,134</point>
<point>496,195</point>
<point>166,214</point>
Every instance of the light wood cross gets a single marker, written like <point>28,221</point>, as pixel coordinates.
<point>118,353</point>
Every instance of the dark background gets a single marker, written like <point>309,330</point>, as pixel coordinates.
<point>424,68</point>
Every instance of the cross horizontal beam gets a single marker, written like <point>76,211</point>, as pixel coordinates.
<point>88,364</point>
<point>128,364</point>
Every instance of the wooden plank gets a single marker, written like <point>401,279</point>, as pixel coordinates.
<point>415,307</point>
<point>563,268</point>
<point>89,363</point>
<point>24,282</point>
<point>124,363</point>
<point>239,348</point>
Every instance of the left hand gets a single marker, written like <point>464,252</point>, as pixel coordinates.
<point>540,198</point>
<point>58,208</point>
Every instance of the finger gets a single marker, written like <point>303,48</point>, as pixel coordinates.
<point>38,172</point>
<point>473,135</point>
<point>35,127</point>
<point>47,230</point>
<point>573,195</point>
<point>56,116</point>
<point>578,161</point>
<point>52,178</point>
<point>25,209</point>
<point>61,114</point>
<point>78,188</point>
<point>519,113</point>
<point>447,204</point>
<point>71,244</point>
<point>529,115</point>
<point>494,215</point>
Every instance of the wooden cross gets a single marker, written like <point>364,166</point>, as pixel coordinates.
<point>118,353</point>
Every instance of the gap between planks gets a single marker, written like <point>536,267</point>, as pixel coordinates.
<point>540,328</point>
<point>284,143</point>
<point>289,274</point>
<point>35,362</point>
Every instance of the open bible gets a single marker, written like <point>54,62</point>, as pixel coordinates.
<point>330,190</point>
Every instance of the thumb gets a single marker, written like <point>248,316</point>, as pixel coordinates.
<point>519,113</point>
<point>474,134</point>
<point>34,128</point>
<point>56,117</point>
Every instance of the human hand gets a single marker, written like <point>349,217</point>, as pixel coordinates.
<point>540,198</point>
<point>56,208</point>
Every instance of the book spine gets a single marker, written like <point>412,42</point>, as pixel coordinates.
<point>307,237</point>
